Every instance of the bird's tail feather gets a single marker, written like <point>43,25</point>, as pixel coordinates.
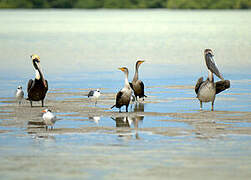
<point>113,106</point>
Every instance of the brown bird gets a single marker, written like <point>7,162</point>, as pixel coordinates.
<point>38,87</point>
<point>207,90</point>
<point>123,97</point>
<point>136,84</point>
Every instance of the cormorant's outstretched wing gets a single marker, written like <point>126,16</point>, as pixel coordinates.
<point>29,85</point>
<point>222,85</point>
<point>198,84</point>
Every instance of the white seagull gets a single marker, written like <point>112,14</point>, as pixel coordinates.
<point>95,119</point>
<point>94,94</point>
<point>19,94</point>
<point>49,118</point>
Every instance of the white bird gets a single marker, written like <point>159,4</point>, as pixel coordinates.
<point>95,119</point>
<point>49,118</point>
<point>19,94</point>
<point>94,94</point>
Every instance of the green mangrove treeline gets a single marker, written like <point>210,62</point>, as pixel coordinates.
<point>130,4</point>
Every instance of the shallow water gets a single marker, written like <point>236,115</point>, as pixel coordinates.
<point>164,136</point>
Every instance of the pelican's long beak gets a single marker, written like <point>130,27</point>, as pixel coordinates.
<point>212,66</point>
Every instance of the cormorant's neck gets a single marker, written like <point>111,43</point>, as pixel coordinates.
<point>126,80</point>
<point>136,75</point>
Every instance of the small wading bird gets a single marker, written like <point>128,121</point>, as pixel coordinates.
<point>123,97</point>
<point>206,90</point>
<point>94,94</point>
<point>136,84</point>
<point>49,118</point>
<point>95,119</point>
<point>19,94</point>
<point>38,87</point>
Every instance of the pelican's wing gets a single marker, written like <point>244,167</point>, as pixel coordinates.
<point>198,84</point>
<point>46,84</point>
<point>29,85</point>
<point>222,85</point>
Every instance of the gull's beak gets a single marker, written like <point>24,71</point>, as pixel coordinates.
<point>43,111</point>
<point>211,65</point>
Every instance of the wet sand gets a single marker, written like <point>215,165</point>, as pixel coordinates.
<point>77,105</point>
<point>209,145</point>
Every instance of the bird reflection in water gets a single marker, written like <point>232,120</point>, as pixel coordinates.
<point>124,125</point>
<point>36,130</point>
<point>139,107</point>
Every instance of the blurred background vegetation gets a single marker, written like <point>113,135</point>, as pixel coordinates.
<point>130,4</point>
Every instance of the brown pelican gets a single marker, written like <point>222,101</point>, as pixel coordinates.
<point>123,97</point>
<point>38,87</point>
<point>206,90</point>
<point>19,94</point>
<point>136,84</point>
<point>49,118</point>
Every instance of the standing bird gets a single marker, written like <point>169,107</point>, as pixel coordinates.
<point>95,119</point>
<point>38,87</point>
<point>136,84</point>
<point>49,118</point>
<point>19,94</point>
<point>123,97</point>
<point>94,94</point>
<point>206,90</point>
